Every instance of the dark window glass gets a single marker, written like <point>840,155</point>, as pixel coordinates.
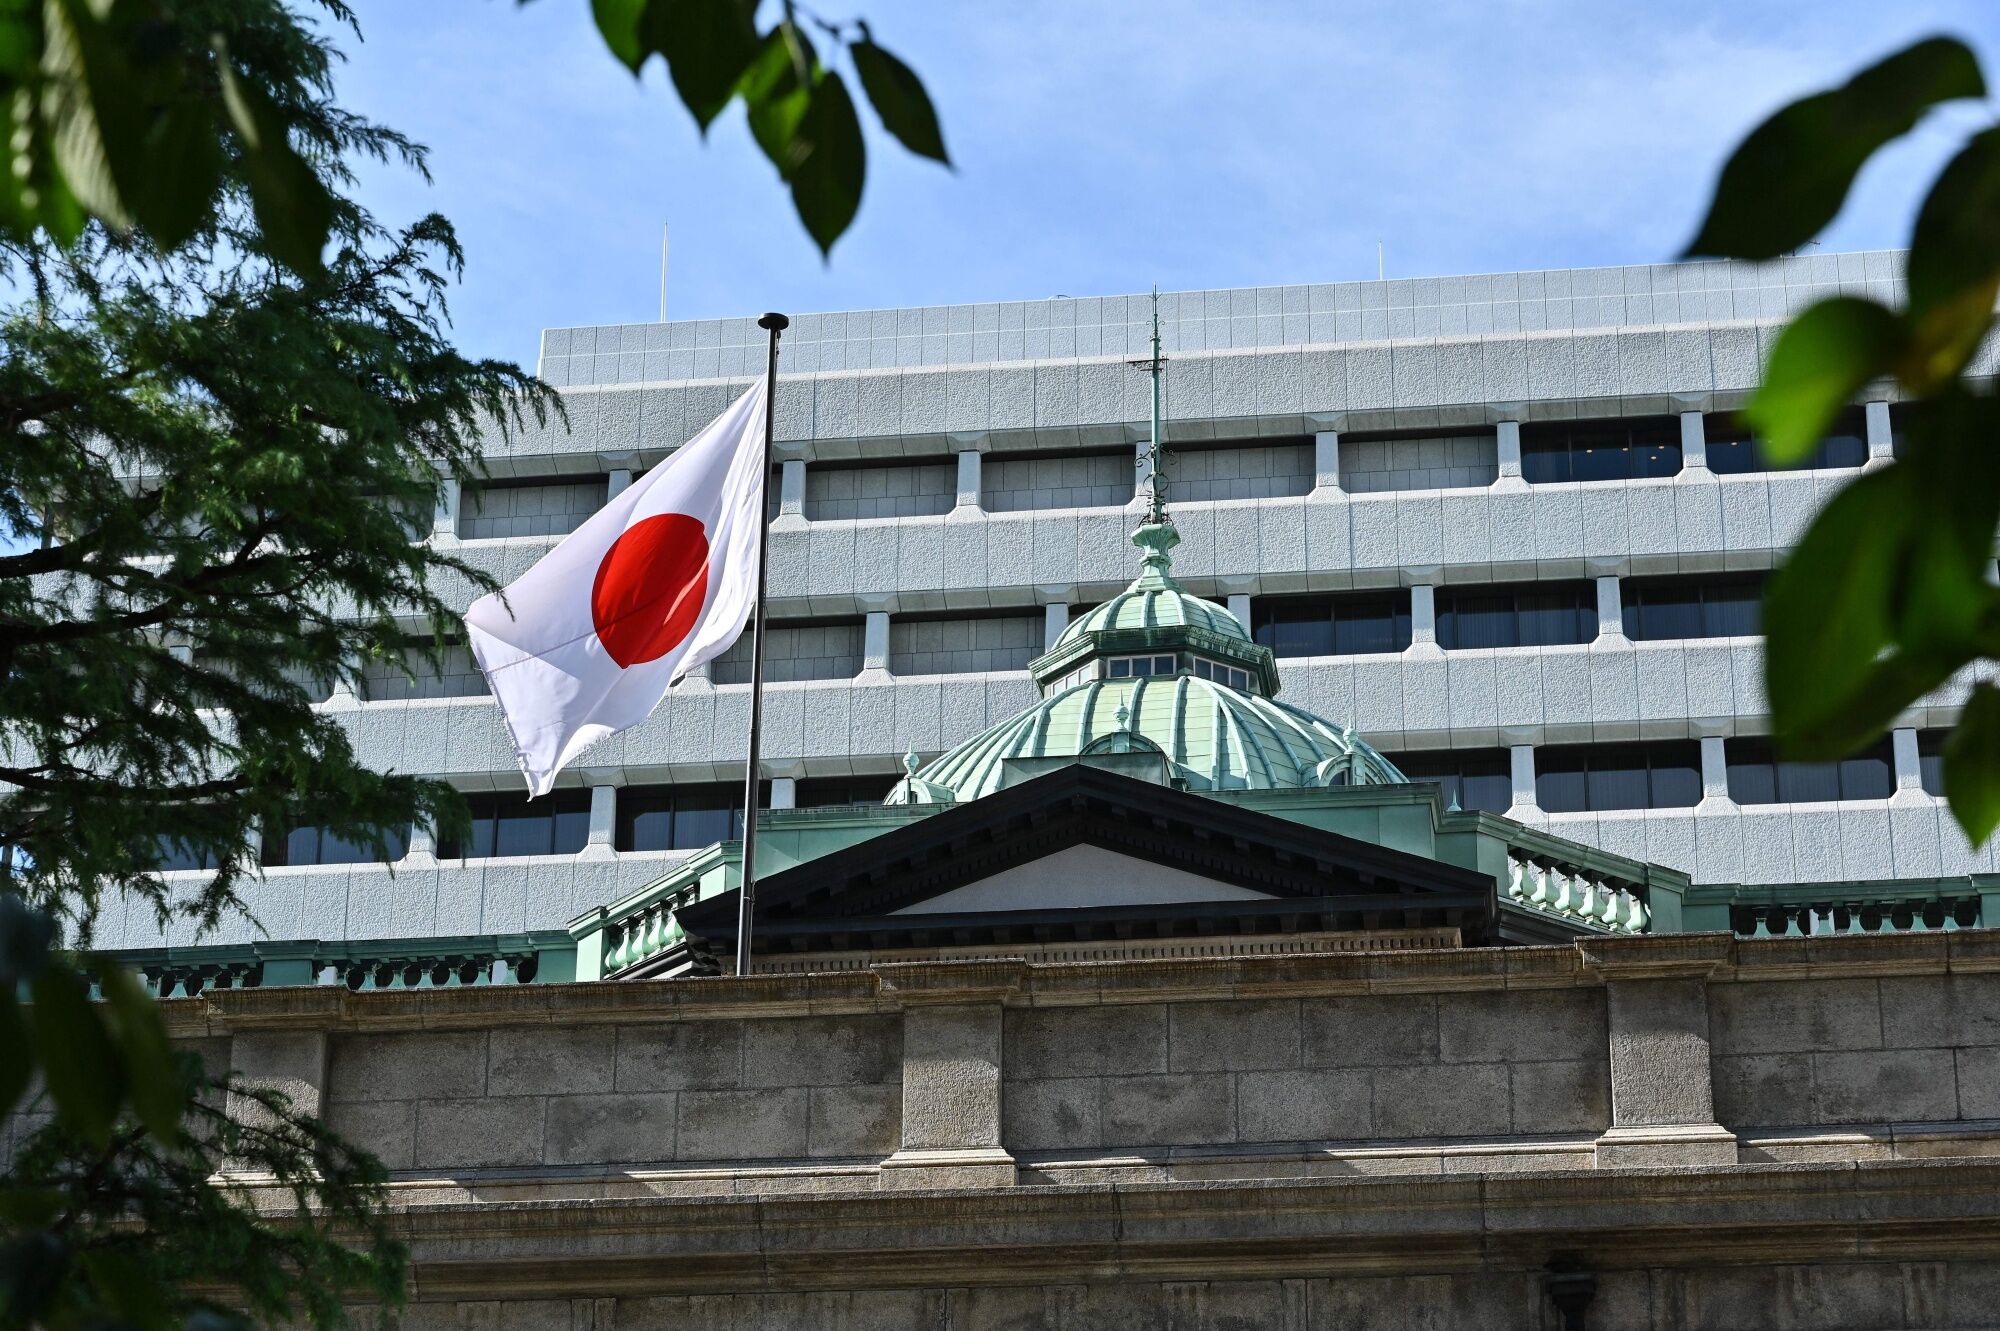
<point>687,817</point>
<point>1756,776</point>
<point>174,854</point>
<point>1616,450</point>
<point>504,824</point>
<point>1930,759</point>
<point>1733,448</point>
<point>310,844</point>
<point>1530,615</point>
<point>1345,625</point>
<point>832,792</point>
<point>1478,779</point>
<point>1618,776</point>
<point>1705,606</point>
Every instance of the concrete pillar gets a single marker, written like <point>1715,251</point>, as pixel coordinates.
<point>423,845</point>
<point>1521,760</point>
<point>600,844</point>
<point>951,1100</point>
<point>445,521</point>
<point>1610,609</point>
<point>784,792</point>
<point>1507,443</point>
<point>970,478</point>
<point>291,1062</point>
<point>1714,769</point>
<point>1909,768</point>
<point>1881,438</point>
<point>1326,460</point>
<point>875,643</point>
<point>1239,606</point>
<point>616,482</point>
<point>792,489</point>
<point>343,694</point>
<point>1423,620</point>
<point>1055,618</point>
<point>1662,1092</point>
<point>1694,442</point>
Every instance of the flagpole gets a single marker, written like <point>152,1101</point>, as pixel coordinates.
<point>746,905</point>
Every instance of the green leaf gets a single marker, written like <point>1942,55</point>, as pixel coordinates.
<point>775,96</point>
<point>81,1065</point>
<point>1972,765</point>
<point>899,98</point>
<point>1954,264</point>
<point>1820,360</point>
<point>16,1068</point>
<point>152,1077</point>
<point>618,24</point>
<point>84,81</point>
<point>1787,180</point>
<point>708,44</point>
<point>832,163</point>
<point>293,208</point>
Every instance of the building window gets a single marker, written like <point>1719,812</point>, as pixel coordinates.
<point>839,792</point>
<point>1477,779</point>
<point>1733,448</point>
<point>1083,674</point>
<point>1354,625</point>
<point>1587,778</point>
<point>1757,776</point>
<point>1709,606</point>
<point>1930,759</point>
<point>556,824</point>
<point>685,817</point>
<point>1228,676</point>
<point>1614,450</point>
<point>173,855</point>
<point>311,844</point>
<point>1122,667</point>
<point>1529,615</point>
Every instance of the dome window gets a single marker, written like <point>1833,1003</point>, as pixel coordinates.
<point>1232,677</point>
<point>1138,667</point>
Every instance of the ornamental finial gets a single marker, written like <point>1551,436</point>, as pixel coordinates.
<point>1152,458</point>
<point>910,763</point>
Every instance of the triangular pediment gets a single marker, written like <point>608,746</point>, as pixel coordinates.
<point>1082,852</point>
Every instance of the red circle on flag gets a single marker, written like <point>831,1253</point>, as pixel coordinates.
<point>650,588</point>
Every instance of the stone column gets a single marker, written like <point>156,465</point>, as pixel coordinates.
<point>1694,442</point>
<point>1662,1092</point>
<point>784,792</point>
<point>600,845</point>
<point>1507,443</point>
<point>616,481</point>
<point>970,478</point>
<point>1239,606</point>
<point>1055,618</point>
<point>953,1027</point>
<point>1881,437</point>
<point>291,1062</point>
<point>1610,609</point>
<point>1326,460</point>
<point>1423,621</point>
<point>444,523</point>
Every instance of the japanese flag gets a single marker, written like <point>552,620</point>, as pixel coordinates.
<point>658,581</point>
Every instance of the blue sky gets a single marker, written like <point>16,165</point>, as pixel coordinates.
<point>1102,147</point>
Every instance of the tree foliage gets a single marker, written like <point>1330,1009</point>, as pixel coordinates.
<point>1887,596</point>
<point>138,113</point>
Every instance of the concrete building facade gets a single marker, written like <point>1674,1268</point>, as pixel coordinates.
<point>1506,527</point>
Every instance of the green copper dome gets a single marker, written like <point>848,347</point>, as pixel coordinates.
<point>1158,670</point>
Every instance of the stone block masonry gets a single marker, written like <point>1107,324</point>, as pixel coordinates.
<point>1308,1142</point>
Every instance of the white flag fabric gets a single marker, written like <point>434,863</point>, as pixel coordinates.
<point>659,580</point>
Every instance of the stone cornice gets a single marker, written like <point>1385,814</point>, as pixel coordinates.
<point>1611,1219</point>
<point>1021,984</point>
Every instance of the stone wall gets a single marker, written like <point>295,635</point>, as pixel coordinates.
<point>1339,1141</point>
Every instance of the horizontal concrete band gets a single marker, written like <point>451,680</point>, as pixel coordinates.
<point>897,987</point>
<point>1610,1219</point>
